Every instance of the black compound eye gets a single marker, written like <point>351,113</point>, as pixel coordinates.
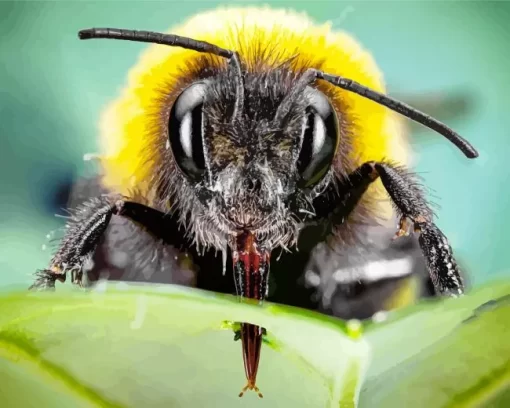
<point>319,139</point>
<point>185,129</point>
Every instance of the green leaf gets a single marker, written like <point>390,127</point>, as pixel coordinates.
<point>168,346</point>
<point>454,353</point>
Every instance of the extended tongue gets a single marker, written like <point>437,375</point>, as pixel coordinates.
<point>251,270</point>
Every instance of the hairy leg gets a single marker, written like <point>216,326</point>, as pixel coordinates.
<point>415,212</point>
<point>86,229</point>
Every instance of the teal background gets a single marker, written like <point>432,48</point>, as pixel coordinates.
<point>53,88</point>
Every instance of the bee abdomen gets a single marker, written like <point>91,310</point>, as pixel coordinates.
<point>378,275</point>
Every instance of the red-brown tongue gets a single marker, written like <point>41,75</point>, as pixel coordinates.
<point>251,337</point>
<point>251,269</point>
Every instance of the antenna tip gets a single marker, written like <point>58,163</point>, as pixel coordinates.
<point>85,34</point>
<point>471,154</point>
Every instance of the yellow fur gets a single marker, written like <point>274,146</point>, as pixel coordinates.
<point>406,293</point>
<point>378,131</point>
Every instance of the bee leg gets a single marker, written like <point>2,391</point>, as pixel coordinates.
<point>410,201</point>
<point>84,232</point>
<point>45,280</point>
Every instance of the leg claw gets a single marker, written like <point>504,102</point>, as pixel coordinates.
<point>406,224</point>
<point>403,228</point>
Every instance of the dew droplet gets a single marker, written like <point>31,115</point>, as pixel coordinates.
<point>354,328</point>
<point>379,316</point>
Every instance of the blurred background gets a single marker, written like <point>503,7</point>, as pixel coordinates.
<point>450,59</point>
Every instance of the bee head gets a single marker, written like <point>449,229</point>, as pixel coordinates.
<point>250,148</point>
<point>246,157</point>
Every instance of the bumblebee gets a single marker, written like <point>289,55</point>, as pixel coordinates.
<point>253,137</point>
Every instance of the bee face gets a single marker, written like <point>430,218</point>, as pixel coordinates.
<point>253,169</point>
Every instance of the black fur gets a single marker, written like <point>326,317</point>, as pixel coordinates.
<point>411,204</point>
<point>405,190</point>
<point>442,265</point>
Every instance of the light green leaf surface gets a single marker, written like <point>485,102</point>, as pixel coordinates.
<point>167,346</point>
<point>455,353</point>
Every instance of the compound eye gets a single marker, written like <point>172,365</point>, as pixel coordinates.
<point>319,139</point>
<point>186,131</point>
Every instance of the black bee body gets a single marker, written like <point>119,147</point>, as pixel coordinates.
<point>250,163</point>
<point>305,278</point>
